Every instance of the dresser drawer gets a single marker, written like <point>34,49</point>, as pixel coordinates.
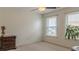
<point>8,40</point>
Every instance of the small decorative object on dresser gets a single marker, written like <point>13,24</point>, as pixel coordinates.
<point>7,43</point>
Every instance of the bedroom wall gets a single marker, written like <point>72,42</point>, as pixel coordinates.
<point>60,39</point>
<point>25,24</point>
<point>0,23</point>
<point>1,20</point>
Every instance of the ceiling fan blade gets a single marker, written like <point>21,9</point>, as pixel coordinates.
<point>51,7</point>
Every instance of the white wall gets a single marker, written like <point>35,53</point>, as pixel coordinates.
<point>1,16</point>
<point>25,24</point>
<point>60,39</point>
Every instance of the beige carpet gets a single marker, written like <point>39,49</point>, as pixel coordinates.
<point>40,46</point>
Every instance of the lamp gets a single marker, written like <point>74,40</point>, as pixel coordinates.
<point>3,30</point>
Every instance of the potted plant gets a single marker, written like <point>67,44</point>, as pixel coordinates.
<point>72,32</point>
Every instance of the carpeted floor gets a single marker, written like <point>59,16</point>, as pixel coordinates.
<point>40,46</point>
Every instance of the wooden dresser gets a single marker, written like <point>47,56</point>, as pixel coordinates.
<point>7,43</point>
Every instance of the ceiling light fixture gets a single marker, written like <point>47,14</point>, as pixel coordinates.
<point>41,9</point>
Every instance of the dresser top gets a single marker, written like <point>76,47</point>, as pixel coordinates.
<point>8,36</point>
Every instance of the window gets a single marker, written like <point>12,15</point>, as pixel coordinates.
<point>51,26</point>
<point>73,19</point>
<point>72,26</point>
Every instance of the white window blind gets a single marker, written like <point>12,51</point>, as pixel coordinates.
<point>51,26</point>
<point>73,19</point>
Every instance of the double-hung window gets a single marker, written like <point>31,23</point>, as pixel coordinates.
<point>51,28</point>
<point>73,19</point>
